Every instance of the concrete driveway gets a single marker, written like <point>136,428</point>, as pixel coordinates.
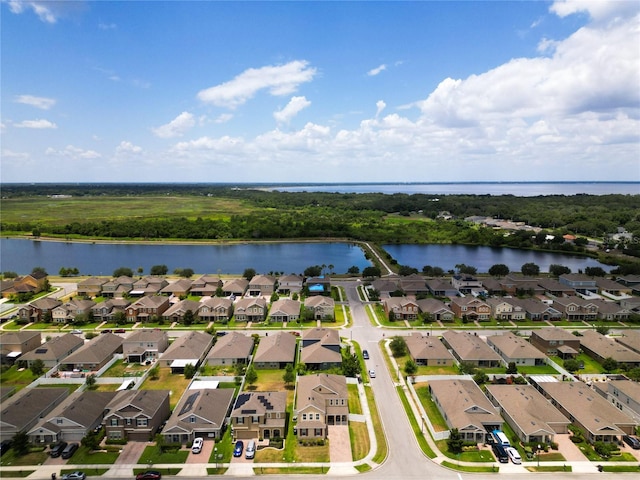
<point>131,452</point>
<point>339,444</point>
<point>204,455</point>
<point>569,449</point>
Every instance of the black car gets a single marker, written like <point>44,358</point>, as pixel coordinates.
<point>5,446</point>
<point>70,450</point>
<point>365,354</point>
<point>57,449</point>
<point>633,442</point>
<point>149,475</point>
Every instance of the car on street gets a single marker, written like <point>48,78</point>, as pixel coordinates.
<point>372,373</point>
<point>633,442</point>
<point>76,332</point>
<point>119,330</point>
<point>149,475</point>
<point>513,455</point>
<point>197,445</point>
<point>74,476</point>
<point>237,450</point>
<point>365,354</point>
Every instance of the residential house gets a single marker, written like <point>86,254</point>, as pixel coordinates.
<point>33,283</point>
<point>632,281</point>
<point>464,406</point>
<point>67,312</point>
<point>22,411</point>
<point>387,285</point>
<point>471,349</point>
<point>288,284</point>
<point>94,354</point>
<point>262,285</point>
<point>231,349</point>
<point>630,339</point>
<point>554,288</point>
<point>235,287</point>
<point>413,284</point>
<point>555,341</point>
<point>439,287</point>
<point>149,285</point>
<point>624,394</point>
<point>39,310</point>
<point>611,311</point>
<point>323,307</point>
<point>70,421</point>
<point>91,287</point>
<point>15,344</point>
<point>401,308</point>
<point>318,285</point>
<point>470,308</point>
<point>322,400</point>
<point>494,286</point>
<point>179,288</point>
<point>321,348</point>
<point>600,347</point>
<point>275,351</point>
<point>581,283</point>
<point>600,420</point>
<point>54,351</point>
<point>513,348</point>
<point>508,309</point>
<point>528,413</point>
<point>251,309</point>
<point>147,309</point>
<point>177,311</point>
<point>190,348</point>
<point>428,350</point>
<point>117,287</point>
<point>539,311</point>
<point>516,284</point>
<point>259,415</point>
<point>136,414</point>
<point>576,308</point>
<point>435,310</point>
<point>206,285</point>
<point>144,345</point>
<point>612,288</point>
<point>199,413</point>
<point>285,310</point>
<point>216,309</point>
<point>466,284</point>
<point>105,311</point>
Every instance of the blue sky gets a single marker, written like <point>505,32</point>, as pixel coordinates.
<point>319,91</point>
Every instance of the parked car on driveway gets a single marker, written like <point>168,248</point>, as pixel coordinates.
<point>197,445</point>
<point>633,442</point>
<point>514,455</point>
<point>149,475</point>
<point>74,476</point>
<point>70,450</point>
<point>57,449</point>
<point>237,451</point>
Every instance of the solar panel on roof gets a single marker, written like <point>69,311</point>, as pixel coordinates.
<point>41,351</point>
<point>188,405</point>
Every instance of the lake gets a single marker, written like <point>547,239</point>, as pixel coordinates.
<point>21,256</point>
<point>483,258</point>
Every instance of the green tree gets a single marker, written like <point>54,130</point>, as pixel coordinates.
<point>251,376</point>
<point>455,441</point>
<point>410,368</point>
<point>466,269</point>
<point>350,363</point>
<point>91,381</point>
<point>9,274</point>
<point>274,297</point>
<point>480,377</point>
<point>123,272</point>
<point>188,317</point>
<point>154,372</point>
<point>571,365</point>
<point>595,272</point>
<point>530,269</point>
<point>189,370</point>
<point>511,368</point>
<point>37,367</point>
<point>371,272</point>
<point>91,440</point>
<point>184,272</point>
<point>20,443</point>
<point>353,270</point>
<point>289,376</point>
<point>398,346</point>
<point>159,270</point>
<point>313,271</point>
<point>467,368</point>
<point>602,329</point>
<point>249,273</point>
<point>609,365</point>
<point>120,318</point>
<point>557,270</point>
<point>498,270</point>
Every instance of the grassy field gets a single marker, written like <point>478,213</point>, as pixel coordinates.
<point>438,422</point>
<point>360,442</point>
<point>354,399</point>
<point>91,209</point>
<point>151,454</point>
<point>16,377</point>
<point>176,383</point>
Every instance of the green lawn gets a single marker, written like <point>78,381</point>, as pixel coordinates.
<point>417,427</point>
<point>84,456</point>
<point>152,455</point>
<point>31,458</point>
<point>464,468</point>
<point>436,418</point>
<point>354,399</point>
<point>16,377</point>
<point>590,365</point>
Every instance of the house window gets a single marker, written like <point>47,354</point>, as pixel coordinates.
<point>59,421</point>
<point>304,416</point>
<point>114,422</point>
<point>142,422</point>
<point>128,421</point>
<point>192,419</point>
<point>317,416</point>
<point>240,420</point>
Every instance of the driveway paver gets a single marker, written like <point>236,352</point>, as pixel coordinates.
<point>339,444</point>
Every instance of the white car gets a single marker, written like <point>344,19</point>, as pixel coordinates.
<point>74,476</point>
<point>372,373</point>
<point>514,455</point>
<point>197,445</point>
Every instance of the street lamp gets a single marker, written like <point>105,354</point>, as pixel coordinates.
<point>538,452</point>
<point>215,450</point>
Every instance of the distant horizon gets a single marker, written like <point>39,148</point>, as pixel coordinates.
<point>491,182</point>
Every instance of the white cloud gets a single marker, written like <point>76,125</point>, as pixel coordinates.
<point>597,10</point>
<point>380,106</point>
<point>16,155</point>
<point>295,105</point>
<point>375,71</point>
<point>107,26</point>
<point>73,153</point>
<point>39,102</point>
<point>43,9</point>
<point>223,118</point>
<point>126,147</point>
<point>38,124</point>
<point>176,127</point>
<point>277,79</point>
